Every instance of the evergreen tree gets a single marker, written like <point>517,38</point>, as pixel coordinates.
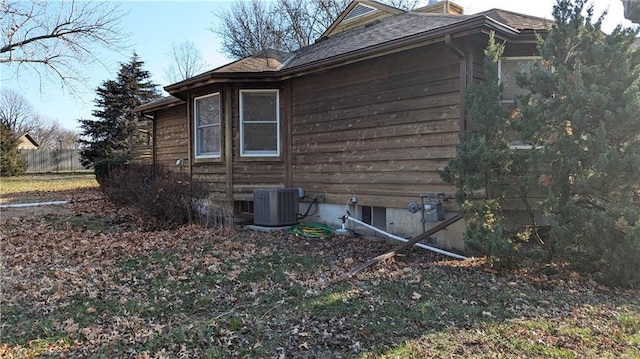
<point>585,116</point>
<point>484,162</point>
<point>110,134</point>
<point>11,162</point>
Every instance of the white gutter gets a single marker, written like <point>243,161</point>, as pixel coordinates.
<point>424,246</point>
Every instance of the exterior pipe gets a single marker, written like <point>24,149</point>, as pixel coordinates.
<point>424,246</point>
<point>463,77</point>
<point>37,204</point>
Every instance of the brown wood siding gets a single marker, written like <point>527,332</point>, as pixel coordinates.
<point>172,136</point>
<point>249,173</point>
<point>378,129</point>
<point>211,171</point>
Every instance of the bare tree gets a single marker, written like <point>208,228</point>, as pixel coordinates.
<point>51,135</point>
<point>19,116</point>
<point>186,61</point>
<point>55,39</point>
<point>15,111</point>
<point>249,27</point>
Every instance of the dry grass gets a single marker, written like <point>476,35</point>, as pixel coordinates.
<point>44,188</point>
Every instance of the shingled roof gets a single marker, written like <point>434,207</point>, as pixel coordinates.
<point>382,31</point>
<point>515,20</point>
<point>402,26</point>
<point>161,103</point>
<point>263,61</point>
<point>389,31</point>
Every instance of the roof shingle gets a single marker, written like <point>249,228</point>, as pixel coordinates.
<point>379,32</point>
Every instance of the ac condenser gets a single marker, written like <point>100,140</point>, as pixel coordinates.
<point>275,207</point>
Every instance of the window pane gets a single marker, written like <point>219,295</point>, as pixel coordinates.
<point>207,123</point>
<point>208,140</point>
<point>508,70</point>
<point>259,106</point>
<point>260,137</point>
<point>208,110</point>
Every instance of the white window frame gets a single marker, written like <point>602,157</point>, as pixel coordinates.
<point>514,58</point>
<point>196,128</point>
<point>254,153</point>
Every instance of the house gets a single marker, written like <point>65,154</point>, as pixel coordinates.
<point>25,141</point>
<point>363,118</point>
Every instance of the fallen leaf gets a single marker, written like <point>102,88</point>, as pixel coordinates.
<point>416,296</point>
<point>72,328</point>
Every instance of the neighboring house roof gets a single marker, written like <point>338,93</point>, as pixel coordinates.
<point>376,36</point>
<point>27,142</point>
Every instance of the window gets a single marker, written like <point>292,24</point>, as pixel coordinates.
<point>259,123</point>
<point>206,114</point>
<point>508,67</point>
<point>375,216</point>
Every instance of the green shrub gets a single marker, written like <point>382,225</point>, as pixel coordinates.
<point>486,235</point>
<point>622,261</point>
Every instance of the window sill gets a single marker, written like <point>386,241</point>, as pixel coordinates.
<point>207,159</point>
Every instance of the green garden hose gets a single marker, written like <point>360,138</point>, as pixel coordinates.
<point>312,230</point>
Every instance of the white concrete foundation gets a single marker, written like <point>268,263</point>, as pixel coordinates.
<point>398,221</point>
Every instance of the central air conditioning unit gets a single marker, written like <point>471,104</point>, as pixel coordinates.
<point>275,207</point>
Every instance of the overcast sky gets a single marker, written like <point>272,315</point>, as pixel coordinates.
<point>154,25</point>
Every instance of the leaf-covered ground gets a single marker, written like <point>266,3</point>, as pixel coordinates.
<point>91,280</point>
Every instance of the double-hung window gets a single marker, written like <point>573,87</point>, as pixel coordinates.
<point>508,67</point>
<point>259,123</point>
<point>206,114</point>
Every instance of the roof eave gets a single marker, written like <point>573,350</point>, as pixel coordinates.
<point>220,77</point>
<point>154,106</point>
<point>420,39</point>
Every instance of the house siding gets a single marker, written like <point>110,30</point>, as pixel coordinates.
<point>171,136</point>
<point>378,129</point>
<point>249,173</point>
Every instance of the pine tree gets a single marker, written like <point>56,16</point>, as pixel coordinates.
<point>110,134</point>
<point>585,116</point>
<point>484,162</point>
<point>11,162</point>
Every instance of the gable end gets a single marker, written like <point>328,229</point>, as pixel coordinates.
<point>360,13</point>
<point>359,10</point>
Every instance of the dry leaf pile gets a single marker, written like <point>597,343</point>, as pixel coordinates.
<point>91,279</point>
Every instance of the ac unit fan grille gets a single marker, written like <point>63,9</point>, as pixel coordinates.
<point>275,207</point>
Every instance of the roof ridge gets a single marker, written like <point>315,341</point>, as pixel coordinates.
<point>512,13</point>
